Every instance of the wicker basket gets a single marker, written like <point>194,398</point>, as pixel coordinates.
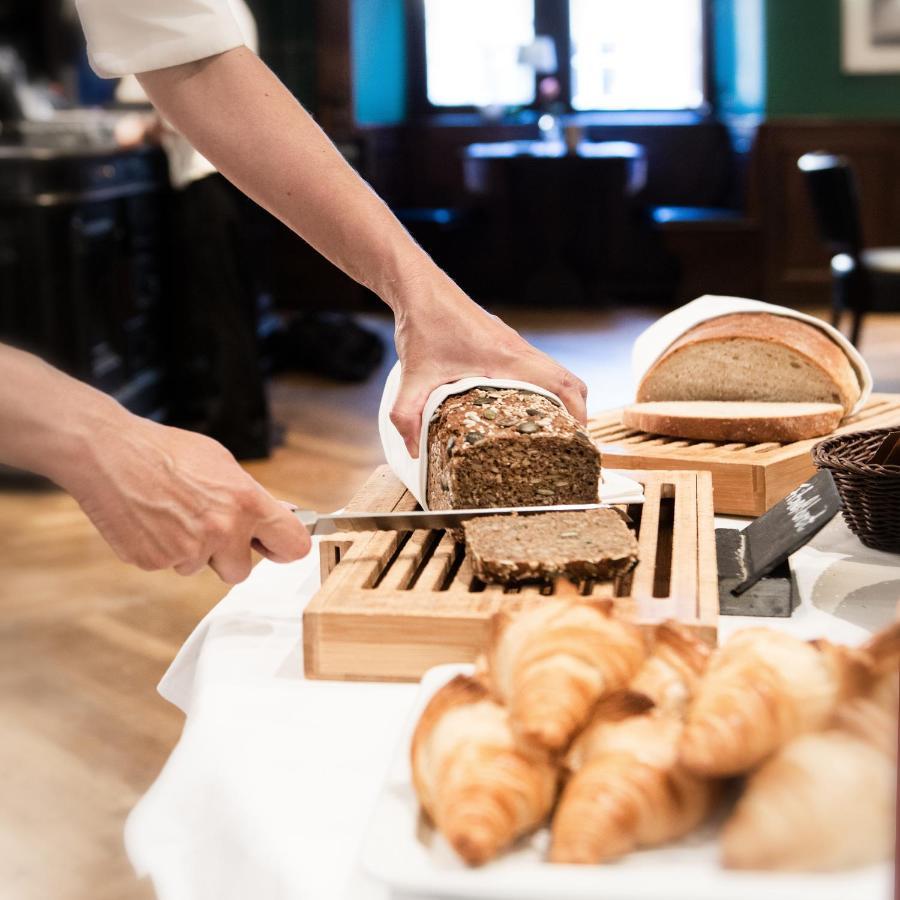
<point>870,493</point>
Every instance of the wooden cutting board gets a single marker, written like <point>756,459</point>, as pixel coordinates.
<point>747,479</point>
<point>393,605</point>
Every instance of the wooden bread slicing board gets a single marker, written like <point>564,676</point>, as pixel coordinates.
<point>748,479</point>
<point>392,605</point>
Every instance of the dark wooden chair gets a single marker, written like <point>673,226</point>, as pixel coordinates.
<point>863,279</point>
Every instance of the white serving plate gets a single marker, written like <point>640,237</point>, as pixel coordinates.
<point>406,854</point>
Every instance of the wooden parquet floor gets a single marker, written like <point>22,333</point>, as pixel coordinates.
<point>84,639</point>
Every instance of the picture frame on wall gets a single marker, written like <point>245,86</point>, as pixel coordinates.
<point>871,37</point>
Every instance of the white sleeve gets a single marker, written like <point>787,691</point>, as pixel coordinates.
<point>125,37</point>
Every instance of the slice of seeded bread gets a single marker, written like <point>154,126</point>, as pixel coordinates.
<point>505,447</point>
<point>749,423</point>
<point>592,543</point>
<point>753,356</point>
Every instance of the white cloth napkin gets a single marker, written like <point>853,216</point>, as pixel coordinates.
<point>413,472</point>
<point>270,788</point>
<point>652,343</point>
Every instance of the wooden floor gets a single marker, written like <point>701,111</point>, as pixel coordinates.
<point>84,640</point>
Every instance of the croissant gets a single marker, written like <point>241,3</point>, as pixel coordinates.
<point>594,739</point>
<point>884,648</point>
<point>872,717</point>
<point>551,662</point>
<point>825,801</point>
<point>672,672</point>
<point>761,689</point>
<point>629,789</point>
<point>477,788</point>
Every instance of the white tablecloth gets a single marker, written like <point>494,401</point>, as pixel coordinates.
<point>271,787</point>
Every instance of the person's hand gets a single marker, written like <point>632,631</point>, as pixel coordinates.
<point>442,336</point>
<point>167,498</point>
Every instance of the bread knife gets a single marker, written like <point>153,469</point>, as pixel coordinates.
<point>331,523</point>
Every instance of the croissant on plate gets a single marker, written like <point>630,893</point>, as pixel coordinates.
<point>551,662</point>
<point>628,789</point>
<point>884,649</point>
<point>594,738</point>
<point>671,673</point>
<point>761,689</point>
<point>872,716</point>
<point>824,801</point>
<point>475,785</point>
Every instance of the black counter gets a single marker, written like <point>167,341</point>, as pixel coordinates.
<point>82,261</point>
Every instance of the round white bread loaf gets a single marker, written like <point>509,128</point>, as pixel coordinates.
<point>753,356</point>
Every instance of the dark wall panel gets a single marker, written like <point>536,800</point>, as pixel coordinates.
<point>287,42</point>
<point>796,261</point>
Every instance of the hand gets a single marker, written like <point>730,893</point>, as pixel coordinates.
<point>442,336</point>
<point>167,498</point>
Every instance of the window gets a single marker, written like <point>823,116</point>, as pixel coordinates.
<point>472,48</point>
<point>613,54</point>
<point>636,54</point>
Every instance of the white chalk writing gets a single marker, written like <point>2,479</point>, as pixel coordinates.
<point>801,506</point>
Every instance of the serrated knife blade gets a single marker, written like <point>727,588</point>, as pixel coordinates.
<point>331,523</point>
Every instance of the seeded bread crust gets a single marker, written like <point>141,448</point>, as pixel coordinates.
<point>746,422</point>
<point>821,371</point>
<point>505,447</point>
<point>593,543</point>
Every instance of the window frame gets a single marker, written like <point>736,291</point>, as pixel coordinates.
<point>550,17</point>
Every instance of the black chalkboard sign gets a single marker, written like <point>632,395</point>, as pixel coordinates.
<point>747,557</point>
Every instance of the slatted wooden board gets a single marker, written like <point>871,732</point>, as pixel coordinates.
<point>392,605</point>
<point>748,479</point>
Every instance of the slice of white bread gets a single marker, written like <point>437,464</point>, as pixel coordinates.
<point>753,356</point>
<point>746,422</point>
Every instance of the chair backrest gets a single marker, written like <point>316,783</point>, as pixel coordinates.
<point>832,189</point>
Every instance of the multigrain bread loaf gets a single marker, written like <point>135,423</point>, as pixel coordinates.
<point>502,447</point>
<point>725,420</point>
<point>753,356</point>
<point>594,543</point>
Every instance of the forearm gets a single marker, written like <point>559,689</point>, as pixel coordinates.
<point>263,141</point>
<point>47,419</point>
<point>162,497</point>
<point>238,115</point>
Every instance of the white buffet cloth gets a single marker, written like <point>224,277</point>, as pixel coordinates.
<point>270,789</point>
<point>413,471</point>
<point>653,342</point>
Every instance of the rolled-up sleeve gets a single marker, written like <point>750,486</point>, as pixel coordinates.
<point>125,37</point>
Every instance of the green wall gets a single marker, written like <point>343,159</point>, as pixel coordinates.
<point>804,74</point>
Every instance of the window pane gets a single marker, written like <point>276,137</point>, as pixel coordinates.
<point>637,54</point>
<point>471,51</point>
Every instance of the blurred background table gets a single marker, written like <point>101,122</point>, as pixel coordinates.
<point>562,220</point>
